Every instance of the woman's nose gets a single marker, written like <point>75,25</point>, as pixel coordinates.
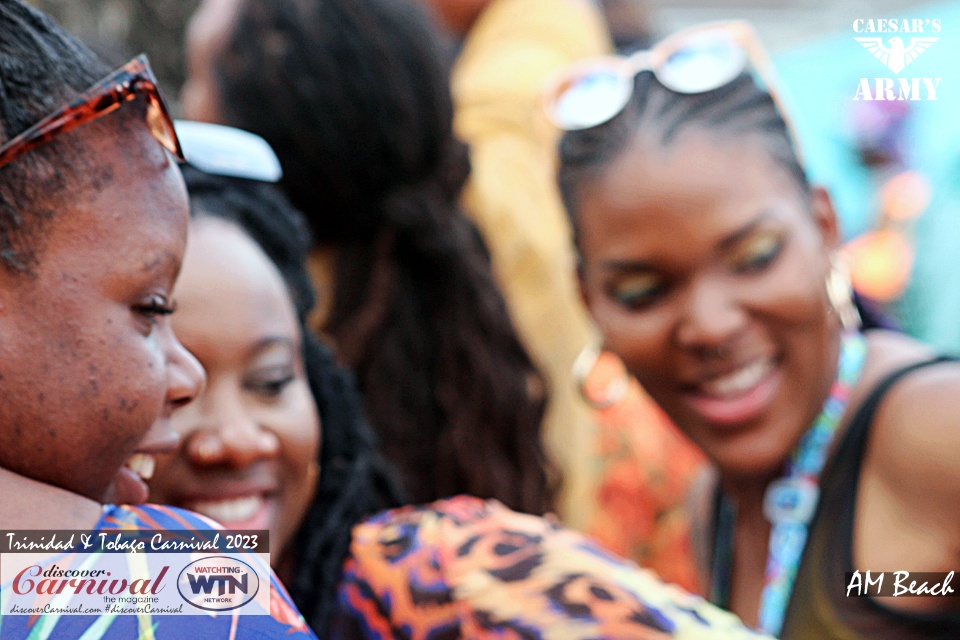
<point>186,377</point>
<point>712,317</point>
<point>230,434</point>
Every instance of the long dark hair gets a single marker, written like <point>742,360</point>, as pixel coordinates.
<point>355,99</point>
<point>354,480</point>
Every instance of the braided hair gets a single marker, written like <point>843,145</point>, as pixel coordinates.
<point>41,68</point>
<point>354,481</point>
<point>355,99</point>
<point>738,108</point>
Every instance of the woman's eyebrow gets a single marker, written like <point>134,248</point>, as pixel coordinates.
<point>628,266</point>
<point>271,340</point>
<point>725,244</point>
<point>160,263</point>
<point>732,239</point>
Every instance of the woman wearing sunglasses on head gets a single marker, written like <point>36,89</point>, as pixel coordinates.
<point>277,441</point>
<point>710,265</point>
<point>93,224</point>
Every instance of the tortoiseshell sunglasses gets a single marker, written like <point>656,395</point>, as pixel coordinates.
<point>123,85</point>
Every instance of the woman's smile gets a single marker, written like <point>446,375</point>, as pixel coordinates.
<point>737,396</point>
<point>255,511</point>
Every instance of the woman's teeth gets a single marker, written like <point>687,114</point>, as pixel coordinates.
<point>738,382</point>
<point>142,464</point>
<point>233,510</point>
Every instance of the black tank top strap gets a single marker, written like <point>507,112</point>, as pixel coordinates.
<point>861,420</point>
<point>819,608</point>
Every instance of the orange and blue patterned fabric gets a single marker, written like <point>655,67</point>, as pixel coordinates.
<point>468,568</point>
<point>645,470</point>
<point>283,621</point>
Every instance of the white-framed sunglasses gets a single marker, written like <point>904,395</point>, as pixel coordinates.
<point>227,151</point>
<point>695,60</point>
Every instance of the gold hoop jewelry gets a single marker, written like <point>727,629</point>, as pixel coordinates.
<point>840,294</point>
<point>612,393</point>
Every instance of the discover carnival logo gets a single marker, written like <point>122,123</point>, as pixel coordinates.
<point>897,43</point>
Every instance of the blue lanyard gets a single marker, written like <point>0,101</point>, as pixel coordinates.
<point>790,501</point>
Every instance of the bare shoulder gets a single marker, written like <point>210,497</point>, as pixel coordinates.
<point>915,435</point>
<point>61,509</point>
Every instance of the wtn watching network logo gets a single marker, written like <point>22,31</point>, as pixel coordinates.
<point>909,41</point>
<point>218,583</point>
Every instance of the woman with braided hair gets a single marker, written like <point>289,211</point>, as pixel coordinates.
<point>711,267</point>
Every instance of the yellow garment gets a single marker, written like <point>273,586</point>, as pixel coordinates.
<point>515,46</point>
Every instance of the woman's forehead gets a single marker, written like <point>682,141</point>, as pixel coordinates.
<point>693,168</point>
<point>696,191</point>
<point>227,279</point>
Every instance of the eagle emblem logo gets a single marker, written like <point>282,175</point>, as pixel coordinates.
<point>895,55</point>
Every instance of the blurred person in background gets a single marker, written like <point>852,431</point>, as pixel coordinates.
<point>507,50</point>
<point>355,99</point>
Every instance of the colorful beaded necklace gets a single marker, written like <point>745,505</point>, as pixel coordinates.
<point>791,501</point>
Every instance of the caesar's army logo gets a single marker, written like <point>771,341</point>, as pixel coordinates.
<point>895,44</point>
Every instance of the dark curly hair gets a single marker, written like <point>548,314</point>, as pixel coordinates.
<point>355,99</point>
<point>354,480</point>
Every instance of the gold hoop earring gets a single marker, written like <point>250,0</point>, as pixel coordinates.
<point>612,392</point>
<point>840,294</point>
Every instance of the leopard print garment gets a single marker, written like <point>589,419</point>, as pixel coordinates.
<point>466,568</point>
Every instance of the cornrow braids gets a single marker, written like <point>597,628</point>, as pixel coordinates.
<point>737,108</point>
<point>354,480</point>
<point>740,107</point>
<point>355,99</point>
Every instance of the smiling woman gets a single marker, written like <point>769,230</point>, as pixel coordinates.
<point>90,370</point>
<point>251,443</point>
<point>709,264</point>
<point>95,383</point>
<point>251,454</point>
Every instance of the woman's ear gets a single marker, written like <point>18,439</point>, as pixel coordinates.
<point>825,217</point>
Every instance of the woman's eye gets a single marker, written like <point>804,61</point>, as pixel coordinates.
<point>757,253</point>
<point>637,292</point>
<point>154,307</point>
<point>270,385</point>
